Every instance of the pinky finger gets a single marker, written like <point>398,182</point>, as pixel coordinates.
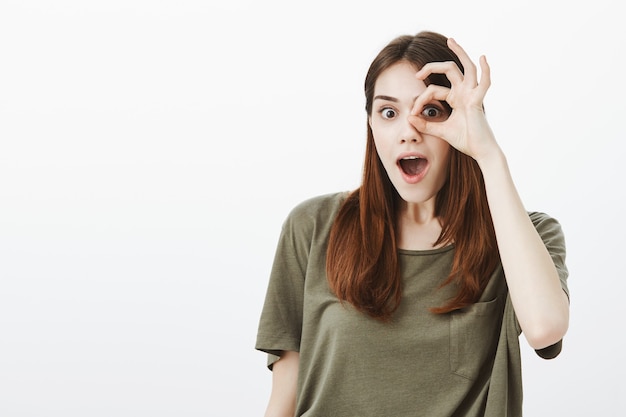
<point>485,74</point>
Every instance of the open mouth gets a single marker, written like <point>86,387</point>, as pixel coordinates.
<point>412,165</point>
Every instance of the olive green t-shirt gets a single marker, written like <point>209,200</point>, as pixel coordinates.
<point>466,363</point>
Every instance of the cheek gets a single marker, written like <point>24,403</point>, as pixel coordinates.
<point>382,148</point>
<point>446,152</point>
<point>446,157</point>
<point>441,147</point>
<point>381,136</point>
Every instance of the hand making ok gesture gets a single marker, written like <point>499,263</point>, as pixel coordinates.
<point>466,129</point>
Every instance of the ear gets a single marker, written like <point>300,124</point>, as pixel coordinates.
<point>369,121</point>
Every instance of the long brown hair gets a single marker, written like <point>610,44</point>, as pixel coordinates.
<point>362,260</point>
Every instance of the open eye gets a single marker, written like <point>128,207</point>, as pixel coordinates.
<point>387,113</point>
<point>434,113</point>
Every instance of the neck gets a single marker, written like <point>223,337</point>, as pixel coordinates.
<point>418,227</point>
<point>418,213</point>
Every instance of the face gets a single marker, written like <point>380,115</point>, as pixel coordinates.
<point>416,164</point>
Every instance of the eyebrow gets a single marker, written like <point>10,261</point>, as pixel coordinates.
<point>389,98</point>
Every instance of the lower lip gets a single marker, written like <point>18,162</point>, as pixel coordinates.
<point>413,179</point>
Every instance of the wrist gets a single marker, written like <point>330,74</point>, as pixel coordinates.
<point>494,160</point>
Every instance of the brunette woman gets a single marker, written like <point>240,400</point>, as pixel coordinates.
<point>407,296</point>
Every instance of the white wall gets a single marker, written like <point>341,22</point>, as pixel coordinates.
<point>150,150</point>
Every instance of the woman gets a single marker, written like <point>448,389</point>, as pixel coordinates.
<point>407,296</point>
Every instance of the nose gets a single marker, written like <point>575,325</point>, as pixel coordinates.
<point>409,133</point>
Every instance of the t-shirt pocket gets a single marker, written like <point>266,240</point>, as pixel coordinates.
<point>474,334</point>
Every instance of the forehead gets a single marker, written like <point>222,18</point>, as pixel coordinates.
<point>399,80</point>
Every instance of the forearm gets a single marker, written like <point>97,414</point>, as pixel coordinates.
<point>540,303</point>
<point>282,401</point>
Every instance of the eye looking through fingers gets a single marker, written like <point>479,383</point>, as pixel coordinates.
<point>435,112</point>
<point>434,95</point>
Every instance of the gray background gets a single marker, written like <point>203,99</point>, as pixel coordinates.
<point>150,150</point>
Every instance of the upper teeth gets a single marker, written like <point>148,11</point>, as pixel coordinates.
<point>411,157</point>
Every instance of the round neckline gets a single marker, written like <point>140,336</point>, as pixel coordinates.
<point>420,252</point>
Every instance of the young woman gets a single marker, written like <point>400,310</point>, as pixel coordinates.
<point>407,296</point>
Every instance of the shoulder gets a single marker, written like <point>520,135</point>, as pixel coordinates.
<point>312,218</point>
<point>310,221</point>
<point>320,207</point>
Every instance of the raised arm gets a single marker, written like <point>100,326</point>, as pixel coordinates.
<point>282,401</point>
<point>541,306</point>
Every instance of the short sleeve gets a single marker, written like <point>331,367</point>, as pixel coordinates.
<point>280,324</point>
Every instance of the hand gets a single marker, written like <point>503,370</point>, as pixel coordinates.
<point>466,129</point>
